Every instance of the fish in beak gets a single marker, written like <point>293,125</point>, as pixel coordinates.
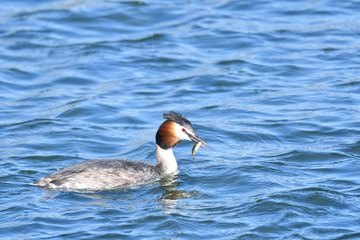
<point>198,143</point>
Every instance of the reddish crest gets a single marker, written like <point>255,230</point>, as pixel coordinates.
<point>166,136</point>
<point>184,130</point>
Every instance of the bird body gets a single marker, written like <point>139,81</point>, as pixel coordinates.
<point>104,174</point>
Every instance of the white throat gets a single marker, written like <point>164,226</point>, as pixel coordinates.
<point>165,160</point>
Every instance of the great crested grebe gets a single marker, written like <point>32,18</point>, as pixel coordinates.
<point>104,174</point>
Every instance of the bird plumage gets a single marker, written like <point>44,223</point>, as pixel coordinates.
<point>102,174</point>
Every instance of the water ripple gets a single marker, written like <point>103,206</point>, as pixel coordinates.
<point>272,86</point>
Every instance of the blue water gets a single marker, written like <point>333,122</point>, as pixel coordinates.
<point>272,86</point>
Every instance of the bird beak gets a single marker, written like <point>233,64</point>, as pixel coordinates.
<point>197,139</point>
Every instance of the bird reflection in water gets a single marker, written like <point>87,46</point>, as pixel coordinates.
<point>169,183</point>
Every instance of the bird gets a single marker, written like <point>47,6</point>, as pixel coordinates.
<point>106,174</point>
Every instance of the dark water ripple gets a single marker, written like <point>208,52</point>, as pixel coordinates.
<point>273,86</point>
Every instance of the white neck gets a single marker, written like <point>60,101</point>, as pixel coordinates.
<point>165,159</point>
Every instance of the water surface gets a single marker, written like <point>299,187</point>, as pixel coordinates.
<point>273,87</point>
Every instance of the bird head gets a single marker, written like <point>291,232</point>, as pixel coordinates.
<point>176,128</point>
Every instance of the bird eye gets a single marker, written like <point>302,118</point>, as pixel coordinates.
<point>184,130</point>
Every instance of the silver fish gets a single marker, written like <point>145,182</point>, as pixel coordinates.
<point>195,148</point>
